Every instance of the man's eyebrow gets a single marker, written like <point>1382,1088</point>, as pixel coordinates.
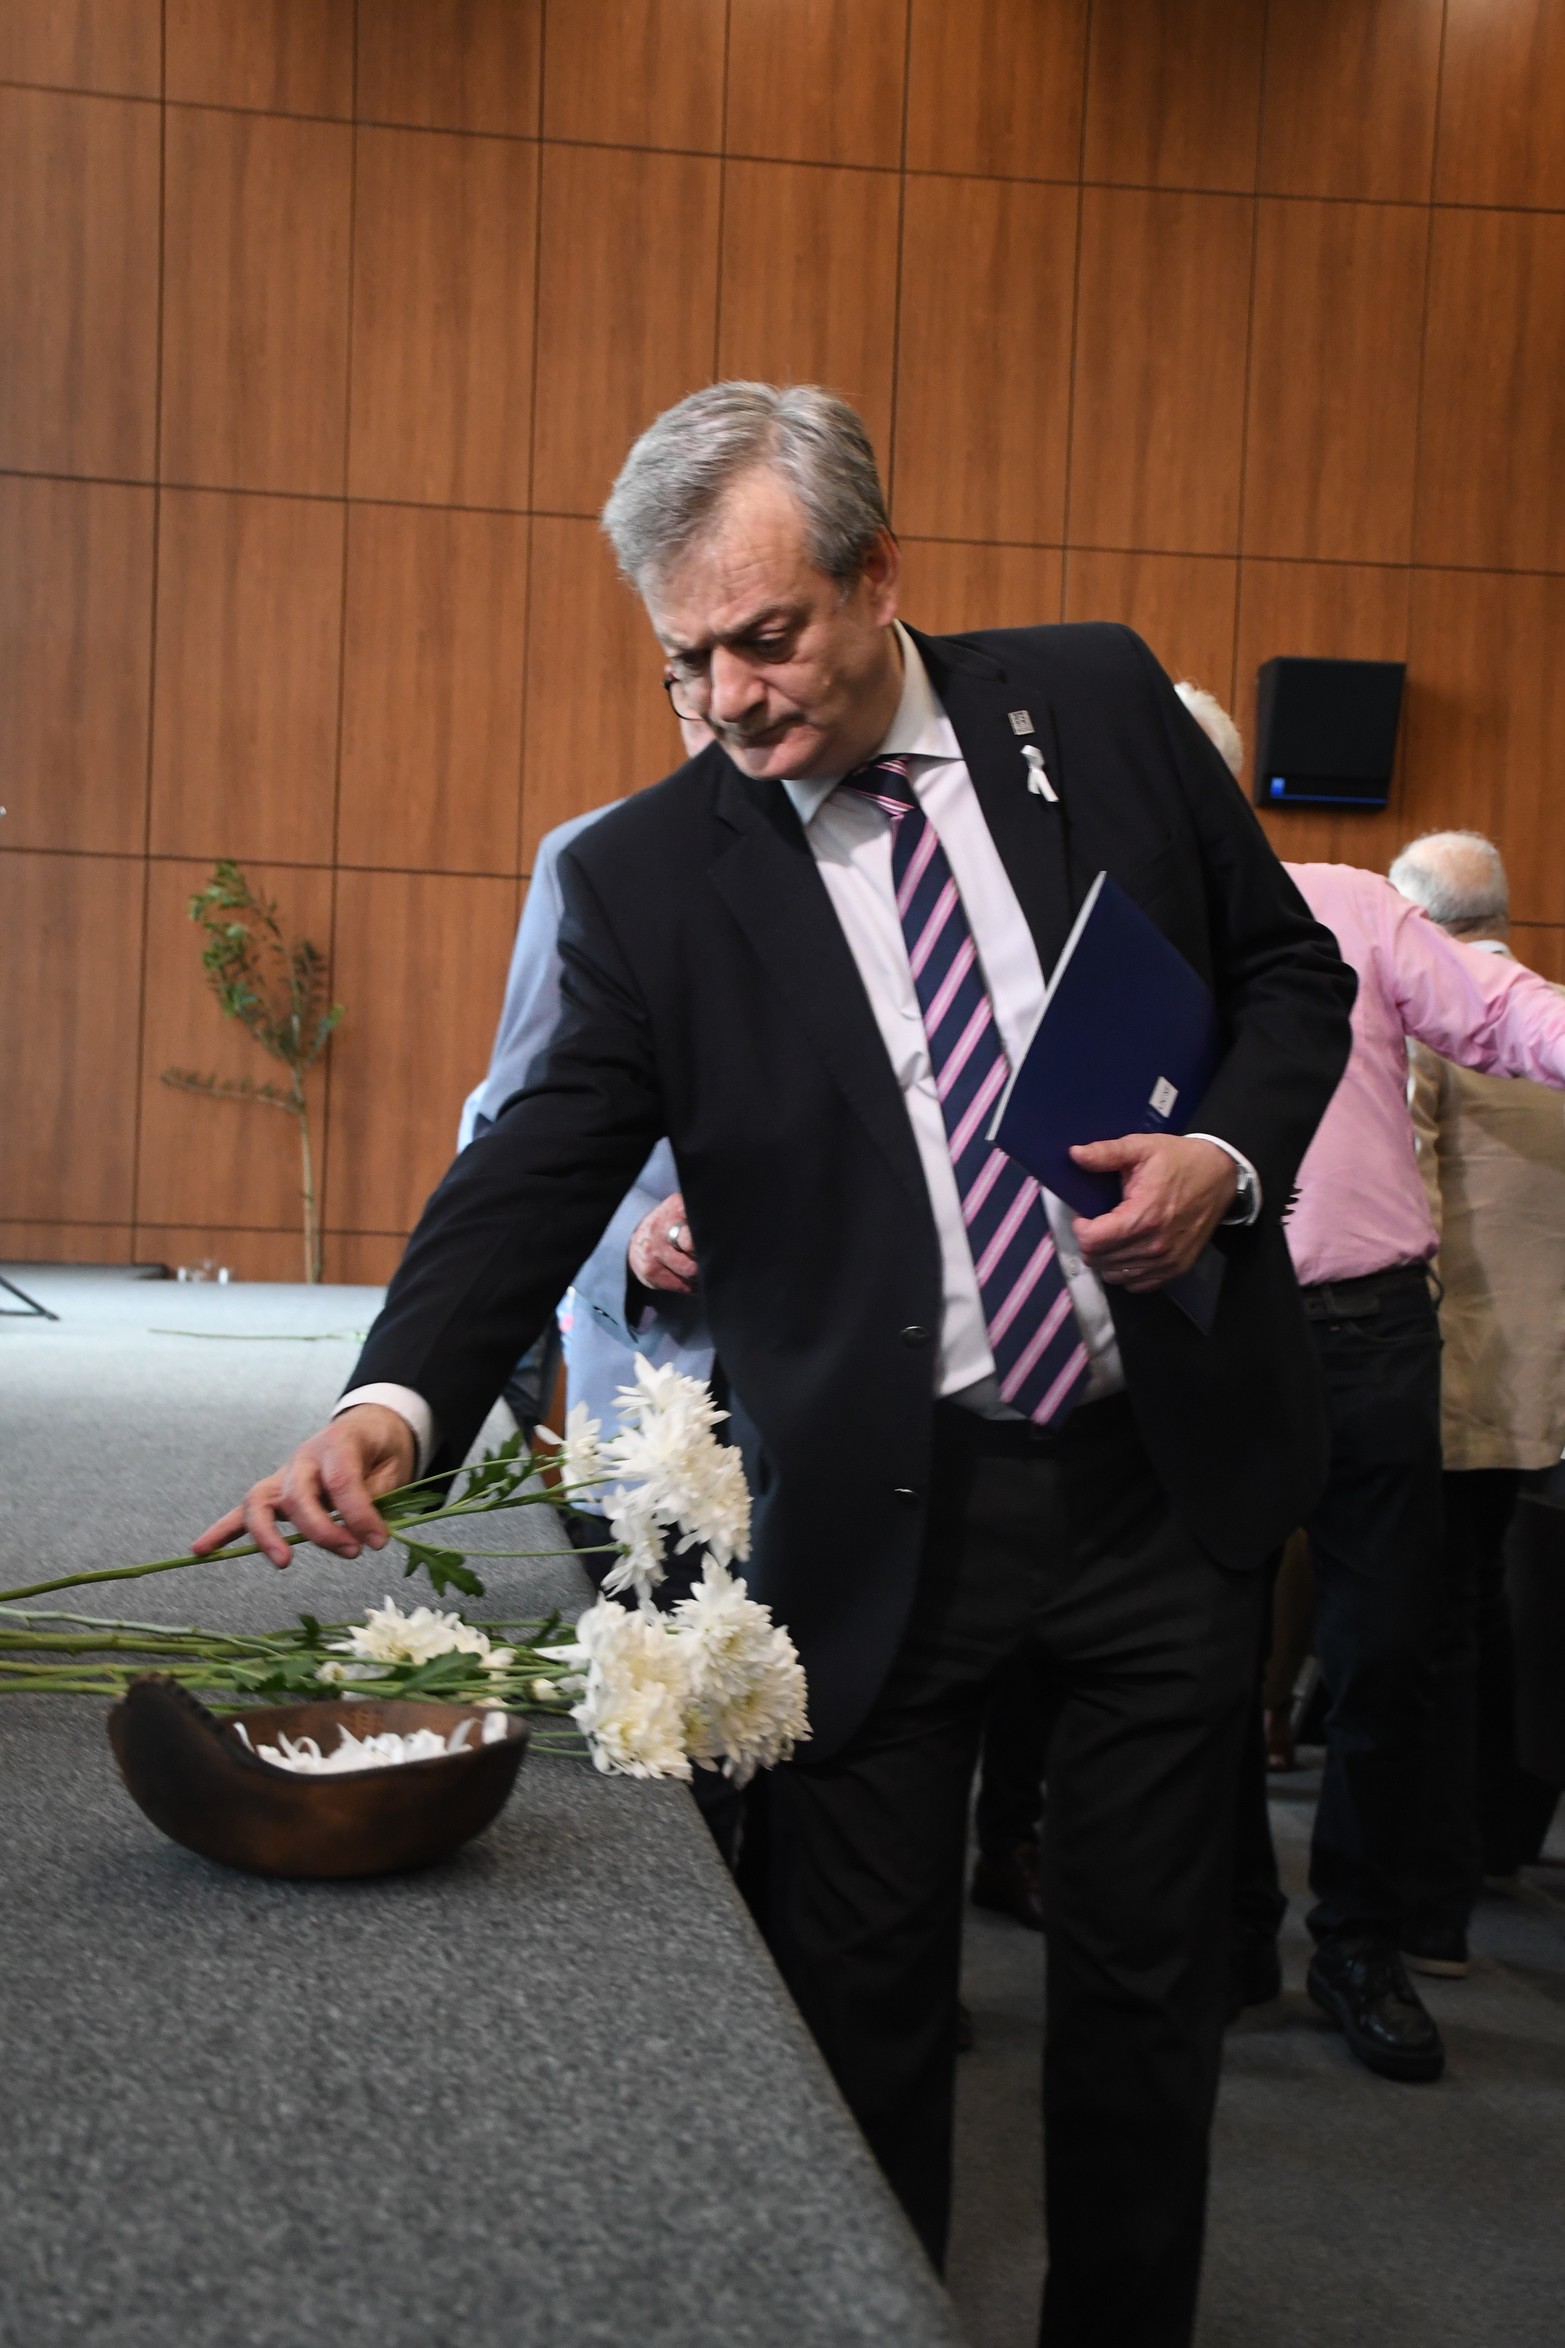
<point>748,627</point>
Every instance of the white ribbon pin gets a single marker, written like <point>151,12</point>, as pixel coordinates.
<point>1037,780</point>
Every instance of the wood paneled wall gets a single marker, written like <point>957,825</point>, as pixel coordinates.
<point>326,326</point>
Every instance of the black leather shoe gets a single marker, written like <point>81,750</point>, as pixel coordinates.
<point>1362,1986</point>
<point>1438,1949</point>
<point>1012,1885</point>
<point>1254,1970</point>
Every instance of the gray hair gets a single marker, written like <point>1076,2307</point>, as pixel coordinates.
<point>673,478</point>
<point>1457,877</point>
<point>1215,722</point>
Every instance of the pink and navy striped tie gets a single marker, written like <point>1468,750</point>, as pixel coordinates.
<point>1040,1361</point>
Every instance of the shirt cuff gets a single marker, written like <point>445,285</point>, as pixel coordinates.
<point>1247,1198</point>
<point>410,1407</point>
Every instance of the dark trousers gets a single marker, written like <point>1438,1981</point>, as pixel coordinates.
<point>1376,1547</point>
<point>1518,1803</point>
<point>1471,1742</point>
<point>1150,1649</point>
<point>1260,1902</point>
<point>1015,1754</point>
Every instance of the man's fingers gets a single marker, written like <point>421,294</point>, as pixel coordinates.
<point>305,1510</point>
<point>227,1528</point>
<point>259,1514</point>
<point>660,1253</point>
<point>1102,1235</point>
<point>663,1265</point>
<point>1106,1157</point>
<point>369,1450</point>
<point>1126,1248</point>
<point>349,1495</point>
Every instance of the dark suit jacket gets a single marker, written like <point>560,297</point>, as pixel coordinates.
<point>710,995</point>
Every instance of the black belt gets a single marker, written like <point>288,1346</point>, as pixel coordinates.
<point>1357,1300</point>
<point>1019,1438</point>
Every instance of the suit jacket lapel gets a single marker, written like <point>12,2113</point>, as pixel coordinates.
<point>770,882</point>
<point>1031,833</point>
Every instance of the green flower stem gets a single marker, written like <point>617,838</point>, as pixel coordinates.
<point>133,1573</point>
<point>482,1556</point>
<point>483,1504</point>
<point>105,1643</point>
<point>59,1687</point>
<point>98,1622</point>
<point>144,1639</point>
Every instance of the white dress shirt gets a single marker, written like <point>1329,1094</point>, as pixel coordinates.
<point>850,839</point>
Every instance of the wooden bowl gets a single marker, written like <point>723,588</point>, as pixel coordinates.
<point>196,1781</point>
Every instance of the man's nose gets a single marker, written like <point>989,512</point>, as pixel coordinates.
<point>736,689</point>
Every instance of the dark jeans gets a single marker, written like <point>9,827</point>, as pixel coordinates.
<point>1150,1651</point>
<point>1376,1546</point>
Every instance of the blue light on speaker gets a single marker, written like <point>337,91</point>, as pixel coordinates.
<point>1279,786</point>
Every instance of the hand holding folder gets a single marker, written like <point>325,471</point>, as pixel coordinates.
<point>1128,1042</point>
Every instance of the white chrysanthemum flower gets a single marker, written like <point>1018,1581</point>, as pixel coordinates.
<point>674,1474</point>
<point>581,1453</point>
<point>343,1675</point>
<point>635,1524</point>
<point>637,1696</point>
<point>387,1635</point>
<point>747,1684</point>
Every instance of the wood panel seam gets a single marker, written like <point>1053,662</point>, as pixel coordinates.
<point>1070,392</point>
<point>139,1088</point>
<point>324,1148</point>
<point>889,460</point>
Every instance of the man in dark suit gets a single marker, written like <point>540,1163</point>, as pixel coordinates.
<point>808,957</point>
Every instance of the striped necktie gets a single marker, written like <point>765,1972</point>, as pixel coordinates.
<point>1040,1361</point>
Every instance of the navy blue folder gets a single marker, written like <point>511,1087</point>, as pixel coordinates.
<point>1128,1042</point>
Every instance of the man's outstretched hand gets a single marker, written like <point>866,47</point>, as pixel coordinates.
<point>367,1451</point>
<point>1177,1190</point>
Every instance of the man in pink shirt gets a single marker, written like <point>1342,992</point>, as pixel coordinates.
<point>1361,1236</point>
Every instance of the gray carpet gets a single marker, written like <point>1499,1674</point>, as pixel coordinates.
<point>1346,2212</point>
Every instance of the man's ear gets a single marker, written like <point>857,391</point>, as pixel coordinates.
<point>882,576</point>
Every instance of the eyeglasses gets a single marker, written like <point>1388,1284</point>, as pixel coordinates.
<point>675,686</point>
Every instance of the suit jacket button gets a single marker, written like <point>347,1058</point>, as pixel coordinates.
<point>906,1494</point>
<point>913,1334</point>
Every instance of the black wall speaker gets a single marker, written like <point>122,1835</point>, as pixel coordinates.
<point>1326,732</point>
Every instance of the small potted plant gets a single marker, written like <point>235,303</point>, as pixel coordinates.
<point>278,993</point>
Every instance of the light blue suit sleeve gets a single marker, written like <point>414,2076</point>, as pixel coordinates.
<point>532,987</point>
<point>600,1347</point>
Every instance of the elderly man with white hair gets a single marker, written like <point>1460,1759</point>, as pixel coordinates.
<point>1492,1154</point>
<point>1362,1238</point>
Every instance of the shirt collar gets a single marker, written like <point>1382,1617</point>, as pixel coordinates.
<point>1491,946</point>
<point>920,729</point>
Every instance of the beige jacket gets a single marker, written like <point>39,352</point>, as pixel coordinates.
<point>1492,1153</point>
